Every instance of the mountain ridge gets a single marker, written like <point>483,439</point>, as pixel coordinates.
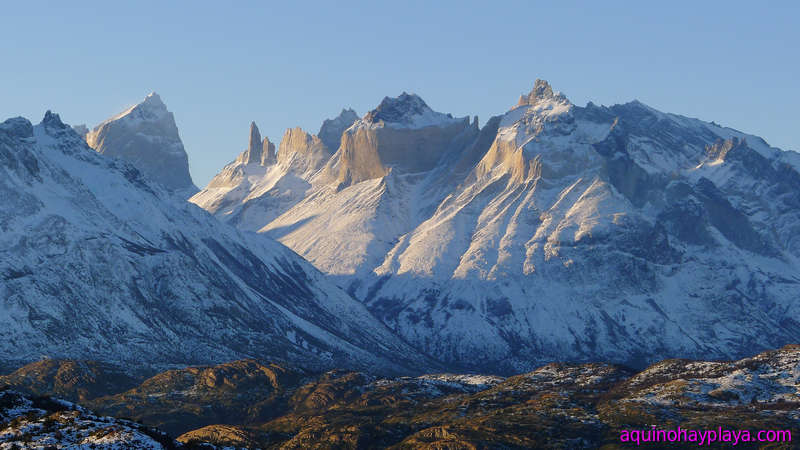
<point>99,260</point>
<point>259,404</point>
<point>554,231</point>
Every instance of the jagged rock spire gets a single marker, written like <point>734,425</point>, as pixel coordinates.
<point>258,151</point>
<point>52,120</point>
<point>253,153</point>
<point>541,91</point>
<point>268,155</point>
<point>255,139</point>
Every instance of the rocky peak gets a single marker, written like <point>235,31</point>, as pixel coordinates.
<point>258,151</point>
<point>542,91</point>
<point>52,120</point>
<point>147,136</point>
<point>252,155</point>
<point>154,99</point>
<point>255,138</point>
<point>18,127</point>
<point>407,111</point>
<point>152,108</point>
<point>398,109</point>
<point>403,134</point>
<point>302,151</point>
<point>331,130</point>
<point>268,155</point>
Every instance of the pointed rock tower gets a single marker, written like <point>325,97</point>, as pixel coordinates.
<point>259,151</point>
<point>541,91</point>
<point>268,155</point>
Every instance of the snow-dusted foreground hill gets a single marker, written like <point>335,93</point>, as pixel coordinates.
<point>555,232</point>
<point>98,262</point>
<point>261,405</point>
<point>50,423</point>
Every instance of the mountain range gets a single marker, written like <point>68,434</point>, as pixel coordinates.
<point>99,261</point>
<point>402,241</point>
<point>554,232</point>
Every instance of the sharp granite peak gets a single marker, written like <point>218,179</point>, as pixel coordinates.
<point>542,91</point>
<point>146,136</point>
<point>261,152</point>
<point>554,232</point>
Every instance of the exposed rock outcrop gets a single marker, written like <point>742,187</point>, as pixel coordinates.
<point>301,151</point>
<point>403,134</point>
<point>146,136</point>
<point>331,130</point>
<point>258,151</point>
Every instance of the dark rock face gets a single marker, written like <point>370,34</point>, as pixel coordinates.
<point>147,137</point>
<point>52,120</point>
<point>17,127</point>
<point>331,130</point>
<point>397,109</point>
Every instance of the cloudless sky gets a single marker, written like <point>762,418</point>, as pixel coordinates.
<point>219,65</point>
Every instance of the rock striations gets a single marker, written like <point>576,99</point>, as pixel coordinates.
<point>554,232</point>
<point>402,133</point>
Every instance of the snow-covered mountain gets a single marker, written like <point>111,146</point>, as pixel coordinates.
<point>555,232</point>
<point>98,262</point>
<point>146,136</point>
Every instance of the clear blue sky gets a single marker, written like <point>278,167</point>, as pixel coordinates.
<point>219,65</point>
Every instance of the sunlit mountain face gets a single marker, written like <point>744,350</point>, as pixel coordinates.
<point>553,232</point>
<point>554,278</point>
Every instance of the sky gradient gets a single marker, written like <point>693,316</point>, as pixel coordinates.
<point>218,67</point>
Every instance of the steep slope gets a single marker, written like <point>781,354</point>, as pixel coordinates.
<point>598,233</point>
<point>388,175</point>
<point>146,136</point>
<point>402,134</point>
<point>97,262</point>
<point>557,232</point>
<point>249,193</point>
